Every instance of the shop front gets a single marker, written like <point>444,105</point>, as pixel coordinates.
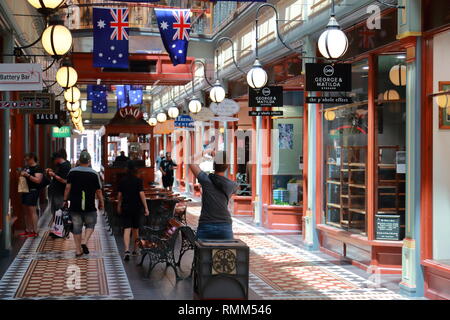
<point>435,179</point>
<point>361,148</point>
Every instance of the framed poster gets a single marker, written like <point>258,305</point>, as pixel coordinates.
<point>444,118</point>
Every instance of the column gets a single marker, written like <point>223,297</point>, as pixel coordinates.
<point>311,238</point>
<point>5,241</point>
<point>409,25</point>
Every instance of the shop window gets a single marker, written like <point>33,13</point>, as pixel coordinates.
<point>391,155</point>
<point>287,152</point>
<point>345,156</point>
<point>244,166</point>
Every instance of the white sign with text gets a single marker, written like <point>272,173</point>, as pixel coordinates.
<point>20,77</point>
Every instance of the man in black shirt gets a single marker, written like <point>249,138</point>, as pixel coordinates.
<point>166,166</point>
<point>83,184</point>
<point>59,180</point>
<point>122,157</point>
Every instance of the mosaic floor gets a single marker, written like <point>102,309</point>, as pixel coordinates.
<point>280,270</point>
<point>46,268</point>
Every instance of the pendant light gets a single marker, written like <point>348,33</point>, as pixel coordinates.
<point>330,115</point>
<point>257,76</point>
<point>195,105</point>
<point>56,39</point>
<point>161,117</point>
<point>217,93</point>
<point>46,6</point>
<point>72,94</point>
<point>397,75</point>
<point>173,112</point>
<point>391,95</point>
<point>152,121</point>
<point>333,42</point>
<point>72,107</point>
<point>66,76</point>
<point>443,101</point>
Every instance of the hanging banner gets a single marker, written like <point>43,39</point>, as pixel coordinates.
<point>204,115</point>
<point>184,121</point>
<point>167,127</point>
<point>329,77</point>
<point>20,77</point>
<point>226,108</point>
<point>271,96</point>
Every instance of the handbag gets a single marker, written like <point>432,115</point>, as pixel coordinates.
<point>22,186</point>
<point>58,225</point>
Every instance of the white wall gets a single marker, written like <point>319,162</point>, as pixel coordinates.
<point>441,156</point>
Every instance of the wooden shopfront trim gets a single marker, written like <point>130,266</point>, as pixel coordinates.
<point>436,275</point>
<point>372,255</point>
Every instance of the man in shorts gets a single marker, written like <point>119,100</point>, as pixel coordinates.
<point>83,185</point>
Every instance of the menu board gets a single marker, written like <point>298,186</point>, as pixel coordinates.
<point>387,227</point>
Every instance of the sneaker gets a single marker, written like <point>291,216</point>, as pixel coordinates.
<point>135,253</point>
<point>24,234</point>
<point>85,249</point>
<point>127,256</point>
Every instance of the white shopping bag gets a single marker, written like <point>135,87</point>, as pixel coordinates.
<point>58,225</point>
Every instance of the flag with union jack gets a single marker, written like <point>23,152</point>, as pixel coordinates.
<point>110,37</point>
<point>175,27</point>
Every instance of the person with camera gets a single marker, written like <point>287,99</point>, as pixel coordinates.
<point>58,180</point>
<point>34,176</point>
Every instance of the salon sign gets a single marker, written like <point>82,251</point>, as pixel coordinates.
<point>20,77</point>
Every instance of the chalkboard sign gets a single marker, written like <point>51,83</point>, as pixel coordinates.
<point>387,227</point>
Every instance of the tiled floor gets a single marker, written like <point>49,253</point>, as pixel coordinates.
<point>280,268</point>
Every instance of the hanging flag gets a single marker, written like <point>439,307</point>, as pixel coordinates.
<point>122,94</point>
<point>135,97</point>
<point>96,92</point>
<point>110,38</point>
<point>174,27</point>
<point>100,106</point>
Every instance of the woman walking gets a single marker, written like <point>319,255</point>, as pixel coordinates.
<point>34,175</point>
<point>131,200</point>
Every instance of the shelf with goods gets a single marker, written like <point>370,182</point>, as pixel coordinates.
<point>346,184</point>
<point>391,185</point>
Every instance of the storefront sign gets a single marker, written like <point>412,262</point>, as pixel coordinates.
<point>63,132</point>
<point>328,77</point>
<point>265,113</point>
<point>50,118</point>
<point>387,227</point>
<point>329,100</point>
<point>47,99</point>
<point>166,127</point>
<point>184,121</point>
<point>20,77</point>
<point>271,96</point>
<point>225,119</point>
<point>226,108</point>
<point>21,104</point>
<point>204,115</point>
<point>131,112</point>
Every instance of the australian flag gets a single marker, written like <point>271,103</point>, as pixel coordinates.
<point>122,96</point>
<point>96,92</point>
<point>174,27</point>
<point>100,106</point>
<point>110,38</point>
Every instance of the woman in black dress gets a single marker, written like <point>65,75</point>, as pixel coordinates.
<point>131,201</point>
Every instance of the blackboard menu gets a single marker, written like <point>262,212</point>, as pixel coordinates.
<point>387,227</point>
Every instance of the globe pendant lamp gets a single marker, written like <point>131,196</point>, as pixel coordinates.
<point>161,117</point>
<point>66,76</point>
<point>397,75</point>
<point>333,42</point>
<point>257,76</point>
<point>152,121</point>
<point>330,115</point>
<point>173,112</point>
<point>72,94</point>
<point>46,7</point>
<point>56,39</point>
<point>72,107</point>
<point>77,113</point>
<point>391,95</point>
<point>195,105</point>
<point>443,101</point>
<point>217,93</point>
